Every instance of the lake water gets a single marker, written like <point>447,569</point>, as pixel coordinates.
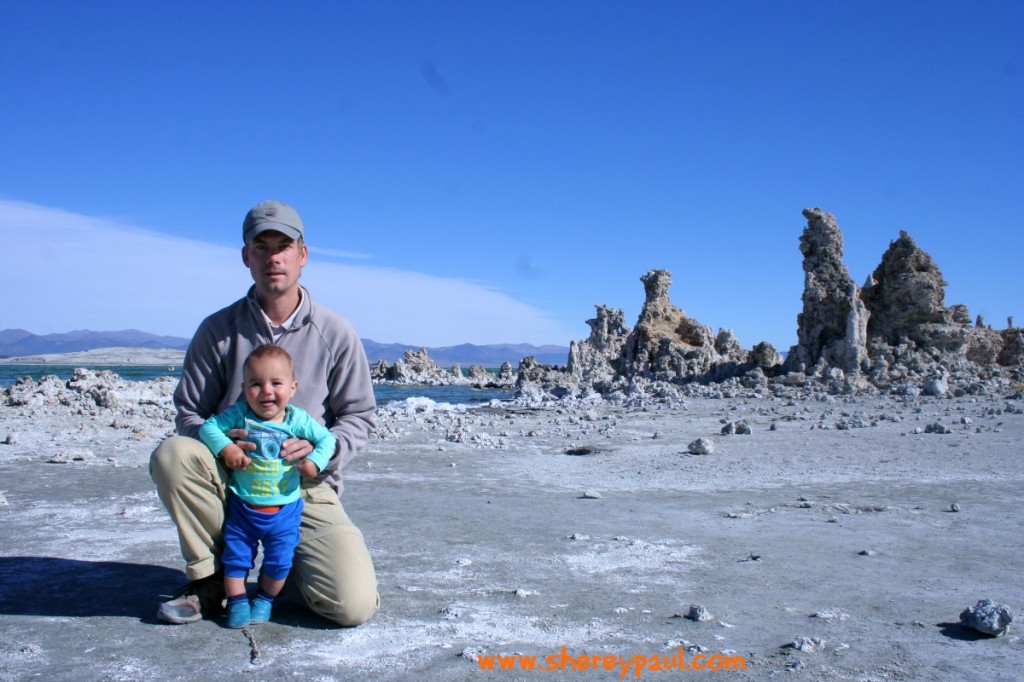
<point>384,393</point>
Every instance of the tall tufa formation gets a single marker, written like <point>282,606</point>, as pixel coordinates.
<point>832,329</point>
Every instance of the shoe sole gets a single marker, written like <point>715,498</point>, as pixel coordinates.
<point>180,611</point>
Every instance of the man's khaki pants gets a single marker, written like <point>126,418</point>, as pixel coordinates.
<point>332,572</point>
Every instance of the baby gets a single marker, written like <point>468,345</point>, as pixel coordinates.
<point>264,503</point>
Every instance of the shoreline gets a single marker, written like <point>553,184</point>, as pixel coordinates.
<point>103,356</point>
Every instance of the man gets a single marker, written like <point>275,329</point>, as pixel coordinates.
<point>332,572</point>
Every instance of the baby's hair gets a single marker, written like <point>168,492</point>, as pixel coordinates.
<point>269,351</point>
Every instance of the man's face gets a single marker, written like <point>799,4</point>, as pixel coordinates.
<point>275,261</point>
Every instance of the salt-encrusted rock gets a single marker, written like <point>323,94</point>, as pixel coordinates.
<point>71,455</point>
<point>728,347</point>
<point>478,373</point>
<point>473,653</point>
<point>988,617</point>
<point>701,446</point>
<point>765,356</point>
<point>738,427</point>
<point>506,376</point>
<point>807,644</point>
<point>937,387</point>
<point>698,613</point>
<point>830,615</point>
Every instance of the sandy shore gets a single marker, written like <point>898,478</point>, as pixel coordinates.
<point>829,526</point>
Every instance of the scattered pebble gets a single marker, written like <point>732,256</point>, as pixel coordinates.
<point>452,611</point>
<point>72,455</point>
<point>739,427</point>
<point>701,446</point>
<point>698,613</point>
<point>807,644</point>
<point>830,615</point>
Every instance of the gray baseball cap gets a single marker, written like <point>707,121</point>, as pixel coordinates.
<point>271,215</point>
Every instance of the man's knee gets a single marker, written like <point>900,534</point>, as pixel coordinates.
<point>335,577</point>
<point>175,458</point>
<point>166,459</point>
<point>356,610</point>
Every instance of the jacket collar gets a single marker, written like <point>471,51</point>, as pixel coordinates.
<point>302,318</point>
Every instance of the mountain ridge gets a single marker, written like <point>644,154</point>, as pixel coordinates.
<point>21,343</point>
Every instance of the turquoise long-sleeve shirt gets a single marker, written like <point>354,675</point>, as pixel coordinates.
<point>268,480</point>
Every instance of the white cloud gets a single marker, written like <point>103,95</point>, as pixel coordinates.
<point>67,271</point>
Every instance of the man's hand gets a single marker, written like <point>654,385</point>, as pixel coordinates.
<point>234,457</point>
<point>295,448</point>
<point>238,435</point>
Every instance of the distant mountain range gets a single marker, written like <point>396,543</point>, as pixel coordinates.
<point>19,342</point>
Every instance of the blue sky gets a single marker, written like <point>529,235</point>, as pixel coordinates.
<point>487,172</point>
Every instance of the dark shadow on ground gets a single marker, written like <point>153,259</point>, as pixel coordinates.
<point>960,632</point>
<point>288,613</point>
<point>52,586</point>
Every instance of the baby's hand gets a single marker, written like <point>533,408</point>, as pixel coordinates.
<point>234,458</point>
<point>306,468</point>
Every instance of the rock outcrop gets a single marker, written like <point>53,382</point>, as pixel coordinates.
<point>666,344</point>
<point>417,367</point>
<point>913,337</point>
<point>894,336</point>
<point>596,361</point>
<point>905,294</point>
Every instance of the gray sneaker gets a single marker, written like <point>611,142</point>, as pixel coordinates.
<point>200,597</point>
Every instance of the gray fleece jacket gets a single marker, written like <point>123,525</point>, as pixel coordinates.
<point>330,366</point>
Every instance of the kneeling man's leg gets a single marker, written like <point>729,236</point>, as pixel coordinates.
<point>332,573</point>
<point>192,485</point>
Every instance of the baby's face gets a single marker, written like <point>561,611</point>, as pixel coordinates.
<point>269,385</point>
